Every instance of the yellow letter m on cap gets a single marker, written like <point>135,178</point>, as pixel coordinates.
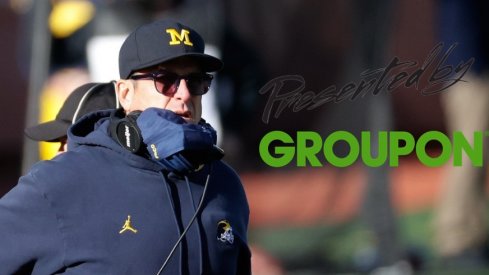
<point>177,38</point>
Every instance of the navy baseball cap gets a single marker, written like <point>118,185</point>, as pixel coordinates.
<point>162,41</point>
<point>85,99</point>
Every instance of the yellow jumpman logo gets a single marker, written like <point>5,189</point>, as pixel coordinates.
<point>127,226</point>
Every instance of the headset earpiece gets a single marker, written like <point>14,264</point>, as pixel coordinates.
<point>125,131</point>
<point>176,145</point>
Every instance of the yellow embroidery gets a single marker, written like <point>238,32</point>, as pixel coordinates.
<point>225,225</point>
<point>177,38</point>
<point>127,226</point>
<point>155,151</point>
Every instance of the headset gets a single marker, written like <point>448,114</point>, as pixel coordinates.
<point>126,132</point>
<point>181,148</point>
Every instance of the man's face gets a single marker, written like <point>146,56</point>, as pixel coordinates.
<point>141,94</point>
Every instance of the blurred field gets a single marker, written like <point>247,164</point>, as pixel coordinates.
<point>309,196</point>
<point>309,219</point>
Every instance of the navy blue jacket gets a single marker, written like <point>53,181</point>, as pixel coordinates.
<point>99,209</point>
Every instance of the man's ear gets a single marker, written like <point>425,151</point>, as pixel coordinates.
<point>125,92</point>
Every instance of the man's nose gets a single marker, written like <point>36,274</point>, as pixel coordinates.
<point>182,92</point>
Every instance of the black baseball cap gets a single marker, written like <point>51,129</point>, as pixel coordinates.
<point>162,41</point>
<point>87,98</point>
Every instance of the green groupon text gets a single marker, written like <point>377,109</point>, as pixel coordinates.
<point>308,148</point>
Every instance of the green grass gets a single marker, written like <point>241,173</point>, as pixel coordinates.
<point>329,248</point>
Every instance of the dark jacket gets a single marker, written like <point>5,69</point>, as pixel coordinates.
<point>67,215</point>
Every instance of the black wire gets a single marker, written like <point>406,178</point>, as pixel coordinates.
<point>187,227</point>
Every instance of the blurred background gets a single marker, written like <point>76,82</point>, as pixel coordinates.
<point>411,219</point>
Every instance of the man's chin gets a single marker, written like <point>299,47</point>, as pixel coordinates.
<point>187,119</point>
<point>190,120</point>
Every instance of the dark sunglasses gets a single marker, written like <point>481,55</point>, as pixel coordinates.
<point>167,83</point>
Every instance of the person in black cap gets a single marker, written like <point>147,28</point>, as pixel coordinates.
<point>87,98</point>
<point>142,189</point>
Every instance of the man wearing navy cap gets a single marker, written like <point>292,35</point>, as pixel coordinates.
<point>142,189</point>
<point>87,98</point>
